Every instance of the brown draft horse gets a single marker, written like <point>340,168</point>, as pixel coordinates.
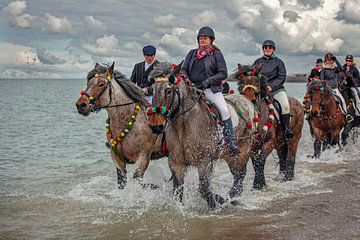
<point>269,132</point>
<point>191,132</point>
<point>326,119</point>
<point>129,137</point>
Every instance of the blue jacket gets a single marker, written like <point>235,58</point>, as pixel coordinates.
<point>329,73</point>
<point>274,70</point>
<point>215,68</point>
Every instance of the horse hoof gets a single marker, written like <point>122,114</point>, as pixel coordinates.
<point>219,199</point>
<point>259,186</point>
<point>235,192</point>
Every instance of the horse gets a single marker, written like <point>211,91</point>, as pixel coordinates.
<point>191,131</point>
<point>326,118</point>
<point>130,139</point>
<point>346,83</point>
<point>269,133</point>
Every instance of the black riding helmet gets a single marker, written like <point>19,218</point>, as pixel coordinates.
<point>349,57</point>
<point>206,31</point>
<point>268,43</point>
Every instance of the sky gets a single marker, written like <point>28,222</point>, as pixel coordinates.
<point>64,39</point>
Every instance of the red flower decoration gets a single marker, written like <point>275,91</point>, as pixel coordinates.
<point>211,110</point>
<point>109,135</point>
<point>316,88</point>
<point>259,115</point>
<point>82,92</point>
<point>256,119</point>
<point>232,91</point>
<point>252,73</point>
<point>268,124</point>
<point>216,122</point>
<point>249,125</point>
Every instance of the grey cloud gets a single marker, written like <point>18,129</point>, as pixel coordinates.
<point>48,58</point>
<point>291,16</point>
<point>310,3</point>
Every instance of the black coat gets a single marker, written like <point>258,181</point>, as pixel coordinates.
<point>329,73</point>
<point>354,74</point>
<point>274,70</point>
<point>215,68</point>
<point>315,73</point>
<point>140,77</point>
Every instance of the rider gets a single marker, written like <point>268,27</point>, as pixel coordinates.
<point>351,70</point>
<point>315,72</point>
<point>206,68</point>
<point>141,71</point>
<point>274,71</point>
<point>329,73</point>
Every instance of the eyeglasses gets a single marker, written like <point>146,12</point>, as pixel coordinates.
<point>348,60</point>
<point>267,47</point>
<point>148,55</point>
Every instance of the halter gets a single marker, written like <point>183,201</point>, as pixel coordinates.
<point>248,74</point>
<point>325,117</point>
<point>93,99</point>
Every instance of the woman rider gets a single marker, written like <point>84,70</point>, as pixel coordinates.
<point>275,72</point>
<point>206,68</point>
<point>329,73</point>
<point>351,70</point>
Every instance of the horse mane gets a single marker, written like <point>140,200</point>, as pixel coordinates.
<point>131,90</point>
<point>161,69</point>
<point>317,83</point>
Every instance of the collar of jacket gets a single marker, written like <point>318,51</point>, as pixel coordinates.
<point>271,57</point>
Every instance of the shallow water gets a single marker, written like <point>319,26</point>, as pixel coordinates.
<point>58,181</point>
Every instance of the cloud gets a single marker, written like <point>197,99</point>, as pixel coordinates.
<point>166,21</point>
<point>351,11</point>
<point>291,16</point>
<point>15,8</point>
<point>178,42</point>
<point>94,23</point>
<point>14,11</point>
<point>57,25</point>
<point>47,58</point>
<point>105,46</point>
<point>17,55</point>
<point>205,18</point>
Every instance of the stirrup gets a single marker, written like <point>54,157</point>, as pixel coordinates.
<point>349,118</point>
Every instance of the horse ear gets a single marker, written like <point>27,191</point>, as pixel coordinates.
<point>239,67</point>
<point>178,68</point>
<point>96,65</point>
<point>111,68</point>
<point>259,68</point>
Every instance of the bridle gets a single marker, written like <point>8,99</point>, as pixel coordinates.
<point>93,99</point>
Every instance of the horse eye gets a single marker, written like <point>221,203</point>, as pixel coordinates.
<point>101,84</point>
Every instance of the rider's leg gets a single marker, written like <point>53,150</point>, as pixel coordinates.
<point>282,98</point>
<point>336,91</point>
<point>219,100</point>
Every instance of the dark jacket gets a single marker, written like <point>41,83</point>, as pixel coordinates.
<point>140,77</point>
<point>215,68</point>
<point>329,73</point>
<point>353,73</point>
<point>315,73</point>
<point>274,71</point>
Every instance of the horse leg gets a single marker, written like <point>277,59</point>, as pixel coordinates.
<point>121,179</point>
<point>345,133</point>
<point>120,170</point>
<point>205,170</point>
<point>317,148</point>
<point>142,163</point>
<point>290,159</point>
<point>259,165</point>
<point>238,169</point>
<point>177,171</point>
<point>282,153</point>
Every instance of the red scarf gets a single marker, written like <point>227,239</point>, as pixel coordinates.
<point>202,52</point>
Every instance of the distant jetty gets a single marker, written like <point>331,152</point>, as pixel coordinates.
<point>298,77</point>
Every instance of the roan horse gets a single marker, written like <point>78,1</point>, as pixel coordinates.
<point>129,137</point>
<point>270,134</point>
<point>326,119</point>
<point>191,130</point>
<point>346,83</point>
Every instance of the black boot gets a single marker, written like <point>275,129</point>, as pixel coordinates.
<point>228,134</point>
<point>285,119</point>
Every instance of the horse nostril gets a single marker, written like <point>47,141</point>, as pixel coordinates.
<point>83,105</point>
<point>157,129</point>
<point>253,101</point>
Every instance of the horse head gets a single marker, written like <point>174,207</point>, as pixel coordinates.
<point>93,97</point>
<point>164,96</point>
<point>319,93</point>
<point>249,78</point>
